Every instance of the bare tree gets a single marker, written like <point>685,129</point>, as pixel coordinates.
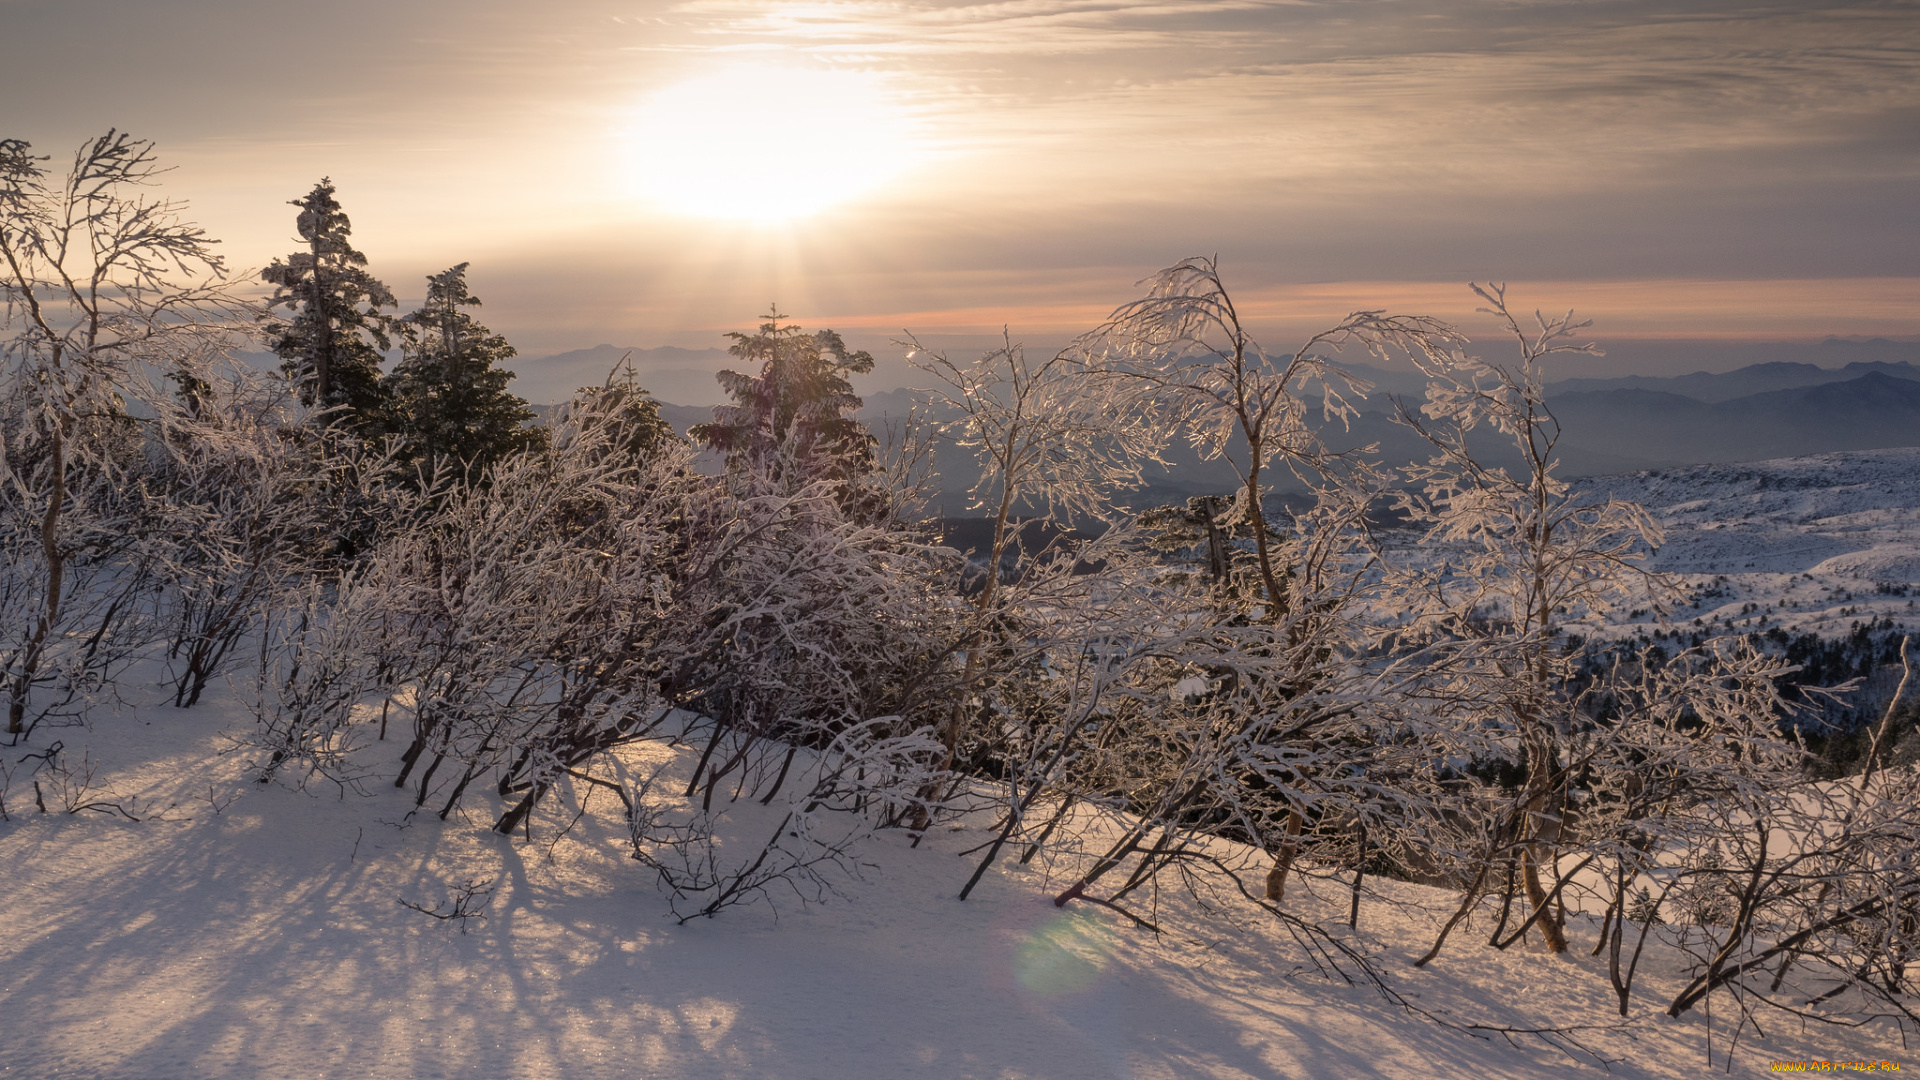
<point>1043,438</point>
<point>97,277</point>
<point>1612,769</point>
<point>1183,355</point>
<point>1526,552</point>
<point>1813,893</point>
<point>1185,358</point>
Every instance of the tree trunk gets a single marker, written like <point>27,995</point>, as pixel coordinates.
<point>1283,862</point>
<point>56,582</point>
<point>1257,517</point>
<point>1359,875</point>
<point>1550,927</point>
<point>322,343</point>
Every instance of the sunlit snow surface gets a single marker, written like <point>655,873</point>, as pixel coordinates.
<point>265,939</point>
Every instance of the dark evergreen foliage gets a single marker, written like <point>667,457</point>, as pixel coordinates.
<point>449,394</point>
<point>1836,727</point>
<point>792,422</point>
<point>335,334</point>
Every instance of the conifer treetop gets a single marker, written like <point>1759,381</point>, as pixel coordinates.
<point>333,339</point>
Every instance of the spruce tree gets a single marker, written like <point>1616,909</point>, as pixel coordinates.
<point>450,398</point>
<point>333,340</point>
<point>792,422</point>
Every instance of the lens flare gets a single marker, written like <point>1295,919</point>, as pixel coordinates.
<point>1065,955</point>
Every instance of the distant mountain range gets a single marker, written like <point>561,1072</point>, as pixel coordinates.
<point>1608,426</point>
<point>668,373</point>
<point>1656,429</point>
<point>1714,387</point>
<point>1762,411</point>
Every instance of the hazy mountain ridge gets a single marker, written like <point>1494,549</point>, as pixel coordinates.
<point>1766,410</point>
<point>1713,387</point>
<point>1609,426</point>
<point>1603,432</point>
<point>1710,387</point>
<point>669,373</point>
<point>1659,429</point>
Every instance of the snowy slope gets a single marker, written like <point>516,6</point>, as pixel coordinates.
<point>1809,544</point>
<point>245,931</point>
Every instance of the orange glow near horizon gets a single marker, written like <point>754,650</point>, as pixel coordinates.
<point>1768,310</point>
<point>658,178</point>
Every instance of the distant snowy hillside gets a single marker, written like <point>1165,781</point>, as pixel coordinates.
<point>1807,544</point>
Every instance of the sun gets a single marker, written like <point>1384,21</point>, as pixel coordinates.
<point>767,144</point>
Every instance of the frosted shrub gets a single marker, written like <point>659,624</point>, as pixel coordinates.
<point>95,279</point>
<point>251,496</point>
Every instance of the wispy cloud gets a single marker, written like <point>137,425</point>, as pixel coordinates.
<point>1070,145</point>
<point>1373,94</point>
<point>1023,26</point>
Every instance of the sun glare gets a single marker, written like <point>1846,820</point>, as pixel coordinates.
<point>767,144</point>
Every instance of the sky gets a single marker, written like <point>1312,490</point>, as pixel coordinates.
<point>653,173</point>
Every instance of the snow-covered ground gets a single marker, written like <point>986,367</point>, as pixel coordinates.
<point>241,930</point>
<point>1811,544</point>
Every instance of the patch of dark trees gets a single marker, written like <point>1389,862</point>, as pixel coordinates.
<point>1836,724</point>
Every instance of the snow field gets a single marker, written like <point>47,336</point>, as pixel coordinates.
<point>242,930</point>
<point>1814,544</point>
